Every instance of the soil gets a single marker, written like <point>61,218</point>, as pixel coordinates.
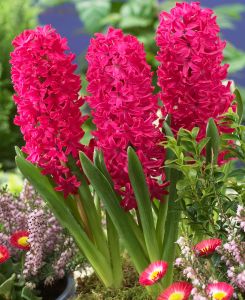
<point>90,288</point>
<point>52,292</point>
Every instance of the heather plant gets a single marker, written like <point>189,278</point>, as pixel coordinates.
<point>149,168</point>
<point>216,265</point>
<point>39,250</point>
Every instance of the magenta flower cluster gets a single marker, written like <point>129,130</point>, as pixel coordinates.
<point>124,109</point>
<point>121,96</point>
<point>190,73</point>
<point>48,103</point>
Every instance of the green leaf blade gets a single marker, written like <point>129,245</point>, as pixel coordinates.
<point>109,198</point>
<point>142,196</point>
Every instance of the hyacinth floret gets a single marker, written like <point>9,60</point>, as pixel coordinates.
<point>190,74</point>
<point>48,103</point>
<point>124,109</point>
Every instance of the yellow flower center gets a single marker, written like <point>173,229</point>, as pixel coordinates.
<point>23,241</point>
<point>154,275</point>
<point>176,296</point>
<point>205,249</point>
<point>1,255</point>
<point>219,295</point>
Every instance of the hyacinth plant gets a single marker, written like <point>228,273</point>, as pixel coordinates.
<point>34,248</point>
<point>130,171</point>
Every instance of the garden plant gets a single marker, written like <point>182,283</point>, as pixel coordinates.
<point>161,175</point>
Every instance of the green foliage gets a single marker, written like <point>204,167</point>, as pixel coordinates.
<point>13,180</point>
<point>12,285</point>
<point>16,16</point>
<point>91,12</point>
<point>234,57</point>
<point>202,189</point>
<point>228,13</point>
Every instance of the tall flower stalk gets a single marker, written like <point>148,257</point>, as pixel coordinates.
<point>124,110</point>
<point>190,77</point>
<point>48,103</point>
<point>48,106</point>
<point>190,74</point>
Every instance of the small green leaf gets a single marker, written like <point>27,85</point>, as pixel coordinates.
<point>7,286</point>
<point>238,99</point>
<point>237,173</point>
<point>134,22</point>
<point>212,148</point>
<point>29,294</point>
<point>92,12</point>
<point>202,144</point>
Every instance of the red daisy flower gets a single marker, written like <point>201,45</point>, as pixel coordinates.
<point>207,247</point>
<point>154,272</point>
<point>19,240</point>
<point>177,291</point>
<point>220,291</point>
<point>4,254</point>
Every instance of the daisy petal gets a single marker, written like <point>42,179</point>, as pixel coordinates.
<point>177,291</point>
<point>207,247</point>
<point>220,291</point>
<point>4,254</point>
<point>153,273</point>
<point>19,240</point>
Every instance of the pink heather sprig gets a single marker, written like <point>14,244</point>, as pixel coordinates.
<point>66,253</point>
<point>233,251</point>
<point>192,269</point>
<point>47,239</point>
<point>48,103</point>
<point>34,259</point>
<point>240,216</point>
<point>124,109</point>
<point>190,73</point>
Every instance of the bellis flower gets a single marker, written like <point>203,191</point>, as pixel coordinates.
<point>220,291</point>
<point>4,254</point>
<point>124,109</point>
<point>48,103</point>
<point>190,74</point>
<point>19,240</point>
<point>207,247</point>
<point>177,291</point>
<point>153,273</point>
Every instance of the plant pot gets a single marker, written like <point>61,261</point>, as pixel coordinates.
<point>62,289</point>
<point>69,290</point>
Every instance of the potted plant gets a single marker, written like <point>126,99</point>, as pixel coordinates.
<point>37,254</point>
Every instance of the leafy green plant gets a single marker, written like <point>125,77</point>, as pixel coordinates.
<point>202,189</point>
<point>12,285</point>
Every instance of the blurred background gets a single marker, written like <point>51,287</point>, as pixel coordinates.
<point>78,20</point>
